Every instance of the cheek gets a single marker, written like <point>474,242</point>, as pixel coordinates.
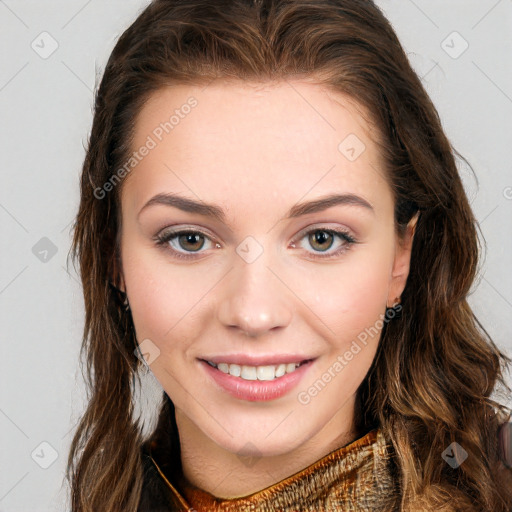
<point>350,296</point>
<point>164,300</point>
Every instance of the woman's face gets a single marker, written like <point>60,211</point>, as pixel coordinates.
<point>246,169</point>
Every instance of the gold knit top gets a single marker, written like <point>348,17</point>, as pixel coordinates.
<point>356,477</point>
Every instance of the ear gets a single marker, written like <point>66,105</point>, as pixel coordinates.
<point>401,264</point>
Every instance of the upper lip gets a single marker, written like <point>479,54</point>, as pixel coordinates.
<point>255,360</point>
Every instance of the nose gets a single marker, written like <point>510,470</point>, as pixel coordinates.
<point>255,300</point>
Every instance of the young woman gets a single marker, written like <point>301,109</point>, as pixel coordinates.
<point>272,222</point>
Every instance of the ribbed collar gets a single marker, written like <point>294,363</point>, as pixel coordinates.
<point>356,477</point>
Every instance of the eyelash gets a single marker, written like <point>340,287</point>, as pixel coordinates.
<point>161,239</point>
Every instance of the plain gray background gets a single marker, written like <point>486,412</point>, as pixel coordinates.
<point>462,50</point>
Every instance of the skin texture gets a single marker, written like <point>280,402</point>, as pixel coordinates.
<point>255,150</point>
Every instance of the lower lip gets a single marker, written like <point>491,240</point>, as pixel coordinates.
<point>257,390</point>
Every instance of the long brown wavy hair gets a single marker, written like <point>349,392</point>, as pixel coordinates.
<point>436,367</point>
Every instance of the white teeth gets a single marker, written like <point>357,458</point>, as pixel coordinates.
<point>233,369</point>
<point>256,372</point>
<point>249,373</point>
<point>280,370</point>
<point>266,372</point>
<point>223,367</point>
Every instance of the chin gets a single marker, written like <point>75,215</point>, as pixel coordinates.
<point>254,441</point>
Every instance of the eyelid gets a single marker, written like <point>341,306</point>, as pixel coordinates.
<point>163,237</point>
<point>344,234</point>
<point>323,227</point>
<point>177,229</point>
<point>174,230</point>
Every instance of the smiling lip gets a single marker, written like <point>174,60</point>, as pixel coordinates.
<point>264,360</point>
<point>255,390</point>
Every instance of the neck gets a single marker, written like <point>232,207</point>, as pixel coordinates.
<point>226,475</point>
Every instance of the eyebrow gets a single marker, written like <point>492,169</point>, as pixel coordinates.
<point>210,210</point>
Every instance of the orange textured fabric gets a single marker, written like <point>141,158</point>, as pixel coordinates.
<point>356,477</point>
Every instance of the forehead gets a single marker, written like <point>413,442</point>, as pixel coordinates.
<point>261,140</point>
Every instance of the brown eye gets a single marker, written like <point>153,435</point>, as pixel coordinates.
<point>189,241</point>
<point>321,240</point>
<point>183,244</point>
